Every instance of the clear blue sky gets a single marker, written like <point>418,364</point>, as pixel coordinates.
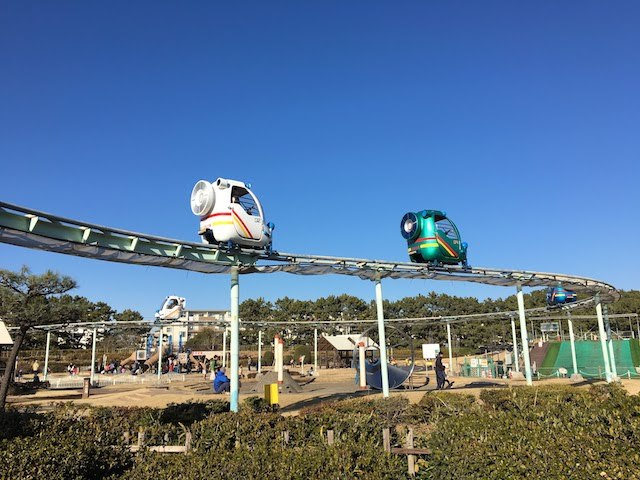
<point>521,120</point>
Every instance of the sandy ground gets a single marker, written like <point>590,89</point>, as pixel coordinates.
<point>329,385</point>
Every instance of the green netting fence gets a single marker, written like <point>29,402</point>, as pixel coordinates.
<point>589,359</point>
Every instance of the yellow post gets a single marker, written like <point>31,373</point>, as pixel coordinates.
<point>271,394</point>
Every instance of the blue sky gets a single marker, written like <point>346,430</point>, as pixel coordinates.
<point>521,121</point>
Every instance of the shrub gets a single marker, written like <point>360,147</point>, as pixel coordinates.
<point>300,350</point>
<point>267,358</point>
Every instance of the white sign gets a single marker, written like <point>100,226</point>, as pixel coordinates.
<point>430,350</point>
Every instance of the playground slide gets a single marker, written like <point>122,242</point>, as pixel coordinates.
<point>397,375</point>
<point>154,358</point>
<point>194,360</point>
<point>130,359</point>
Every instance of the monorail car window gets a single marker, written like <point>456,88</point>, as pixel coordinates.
<point>172,303</point>
<point>245,200</point>
<point>447,227</point>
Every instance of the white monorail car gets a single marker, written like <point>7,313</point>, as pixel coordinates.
<point>230,214</point>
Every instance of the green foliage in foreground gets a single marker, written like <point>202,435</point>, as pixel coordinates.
<point>524,432</point>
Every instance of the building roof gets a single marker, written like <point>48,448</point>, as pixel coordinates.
<point>5,338</point>
<point>348,342</point>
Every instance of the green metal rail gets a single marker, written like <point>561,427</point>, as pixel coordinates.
<point>39,230</point>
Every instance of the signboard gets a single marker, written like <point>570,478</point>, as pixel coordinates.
<point>483,362</point>
<point>141,355</point>
<point>430,350</point>
<point>550,327</point>
<point>474,362</point>
<point>507,358</point>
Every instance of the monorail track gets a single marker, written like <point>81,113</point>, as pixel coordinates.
<point>43,231</point>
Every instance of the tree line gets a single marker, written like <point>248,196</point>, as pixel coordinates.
<point>27,300</point>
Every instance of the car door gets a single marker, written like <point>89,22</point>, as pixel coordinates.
<point>246,213</point>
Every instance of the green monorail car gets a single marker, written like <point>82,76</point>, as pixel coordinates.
<point>433,238</point>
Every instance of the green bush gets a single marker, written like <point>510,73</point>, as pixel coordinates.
<point>527,432</point>
<point>267,358</point>
<point>545,432</point>
<point>300,350</point>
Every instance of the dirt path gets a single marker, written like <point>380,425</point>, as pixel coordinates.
<point>329,386</point>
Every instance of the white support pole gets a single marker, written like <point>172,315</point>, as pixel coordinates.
<point>384,371</point>
<point>612,358</point>
<point>224,347</point>
<point>259,351</point>
<point>451,369</point>
<point>523,335</point>
<point>315,352</point>
<point>235,339</point>
<point>362,371</point>
<point>281,358</point>
<point>516,359</point>
<point>572,340</point>
<point>276,352</point>
<point>93,355</point>
<point>46,356</point>
<point>603,339</point>
<point>160,348</point>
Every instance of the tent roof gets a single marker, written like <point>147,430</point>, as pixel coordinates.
<point>348,342</point>
<point>5,338</point>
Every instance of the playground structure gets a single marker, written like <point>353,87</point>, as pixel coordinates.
<point>371,366</point>
<point>35,229</point>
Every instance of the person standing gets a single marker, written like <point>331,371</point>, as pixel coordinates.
<point>440,375</point>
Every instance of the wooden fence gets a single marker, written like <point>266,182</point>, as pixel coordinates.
<point>331,438</point>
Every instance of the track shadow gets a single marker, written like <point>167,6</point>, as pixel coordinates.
<point>484,384</point>
<point>587,382</point>
<point>310,402</point>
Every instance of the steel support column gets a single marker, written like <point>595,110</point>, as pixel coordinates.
<point>46,357</point>
<point>384,371</point>
<point>315,353</point>
<point>362,372</point>
<point>572,340</point>
<point>523,335</point>
<point>516,359</point>
<point>235,339</point>
<point>93,355</point>
<point>603,340</point>
<point>612,357</point>
<point>451,370</point>
<point>160,348</point>
<point>259,351</point>
<point>224,347</point>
